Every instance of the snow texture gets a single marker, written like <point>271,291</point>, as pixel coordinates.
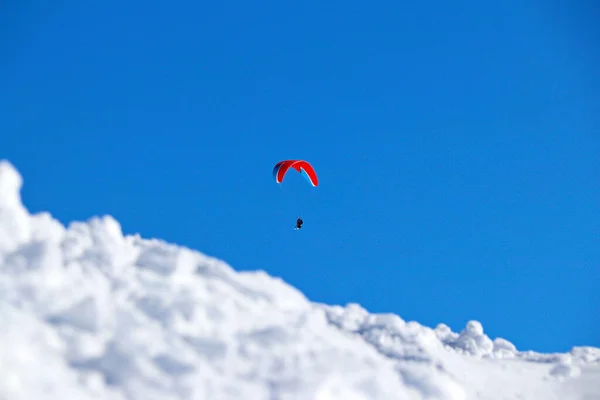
<point>88,313</point>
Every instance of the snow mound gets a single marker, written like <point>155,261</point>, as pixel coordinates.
<point>90,313</point>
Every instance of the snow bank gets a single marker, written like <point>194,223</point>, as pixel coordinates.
<point>88,313</point>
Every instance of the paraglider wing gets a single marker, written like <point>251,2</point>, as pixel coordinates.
<point>282,167</point>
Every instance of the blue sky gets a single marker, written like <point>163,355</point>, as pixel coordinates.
<point>456,146</point>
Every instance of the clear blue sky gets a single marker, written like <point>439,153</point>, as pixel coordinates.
<point>457,145</point>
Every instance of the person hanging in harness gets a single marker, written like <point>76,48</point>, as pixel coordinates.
<point>299,223</point>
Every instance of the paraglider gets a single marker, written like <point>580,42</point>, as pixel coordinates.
<point>303,167</point>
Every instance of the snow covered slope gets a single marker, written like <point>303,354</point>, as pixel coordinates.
<point>87,313</point>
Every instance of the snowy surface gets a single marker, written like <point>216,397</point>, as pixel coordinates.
<point>87,313</point>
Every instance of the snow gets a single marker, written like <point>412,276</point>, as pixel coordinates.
<point>89,313</point>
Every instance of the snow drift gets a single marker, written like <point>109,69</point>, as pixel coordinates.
<point>88,313</point>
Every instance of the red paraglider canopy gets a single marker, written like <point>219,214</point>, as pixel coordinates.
<point>282,167</point>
